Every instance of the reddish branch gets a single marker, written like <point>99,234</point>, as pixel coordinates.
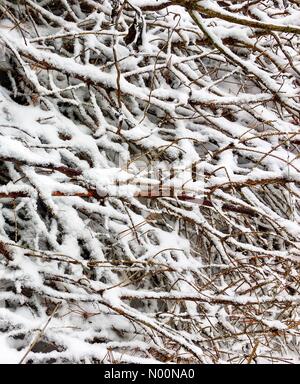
<point>93,194</point>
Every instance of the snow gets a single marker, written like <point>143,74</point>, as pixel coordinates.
<point>149,192</point>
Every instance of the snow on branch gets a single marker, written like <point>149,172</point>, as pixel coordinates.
<point>149,181</point>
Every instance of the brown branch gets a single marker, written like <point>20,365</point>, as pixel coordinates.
<point>4,251</point>
<point>159,7</point>
<point>232,18</point>
<point>251,183</point>
<point>71,172</point>
<point>218,299</point>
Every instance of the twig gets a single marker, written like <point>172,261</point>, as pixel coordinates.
<point>39,334</point>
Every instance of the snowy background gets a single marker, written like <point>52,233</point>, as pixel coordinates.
<point>103,260</point>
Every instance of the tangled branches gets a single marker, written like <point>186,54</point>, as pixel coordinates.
<point>103,272</point>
